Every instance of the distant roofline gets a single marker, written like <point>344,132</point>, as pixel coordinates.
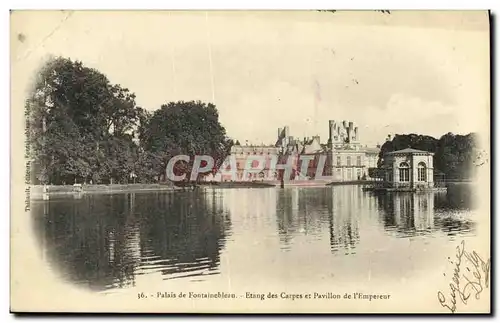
<point>409,151</point>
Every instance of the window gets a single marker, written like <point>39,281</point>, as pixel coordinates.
<point>348,160</point>
<point>422,172</point>
<point>358,161</point>
<point>338,161</point>
<point>359,173</point>
<point>404,172</point>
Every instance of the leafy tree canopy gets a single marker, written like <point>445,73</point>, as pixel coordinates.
<point>188,128</point>
<point>454,154</point>
<point>83,128</point>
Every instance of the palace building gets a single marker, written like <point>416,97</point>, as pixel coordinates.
<point>241,153</point>
<point>346,159</point>
<point>351,160</point>
<point>342,158</point>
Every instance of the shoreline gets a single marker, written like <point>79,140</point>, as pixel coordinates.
<point>36,192</point>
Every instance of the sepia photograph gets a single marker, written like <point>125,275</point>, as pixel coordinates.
<point>250,161</point>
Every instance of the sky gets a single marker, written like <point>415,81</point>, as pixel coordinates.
<point>404,72</point>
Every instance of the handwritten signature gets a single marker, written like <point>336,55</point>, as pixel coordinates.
<point>468,281</point>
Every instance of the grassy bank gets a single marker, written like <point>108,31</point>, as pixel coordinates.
<point>37,191</point>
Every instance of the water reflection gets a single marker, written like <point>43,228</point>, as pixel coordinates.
<point>410,214</point>
<point>340,210</point>
<point>298,212</point>
<point>106,241</point>
<point>343,220</point>
<point>459,197</point>
<point>113,241</point>
<point>310,211</point>
<point>183,236</point>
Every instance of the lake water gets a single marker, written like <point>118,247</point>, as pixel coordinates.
<point>233,236</point>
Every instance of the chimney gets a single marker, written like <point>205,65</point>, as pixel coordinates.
<point>388,138</point>
<point>356,137</point>
<point>287,131</point>
<point>331,125</point>
<point>344,123</point>
<point>316,138</point>
<point>351,125</point>
<point>279,132</point>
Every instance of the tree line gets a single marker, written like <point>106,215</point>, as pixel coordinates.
<point>454,155</point>
<point>81,128</point>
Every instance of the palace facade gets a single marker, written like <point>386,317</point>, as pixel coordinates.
<point>341,158</point>
<point>351,159</point>
<point>345,157</point>
<point>241,153</point>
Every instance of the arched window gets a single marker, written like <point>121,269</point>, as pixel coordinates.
<point>404,172</point>
<point>422,172</point>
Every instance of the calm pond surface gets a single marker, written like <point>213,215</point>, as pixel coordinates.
<point>115,241</point>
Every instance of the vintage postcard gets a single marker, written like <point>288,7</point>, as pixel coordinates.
<point>318,161</point>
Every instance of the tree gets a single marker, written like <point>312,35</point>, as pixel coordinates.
<point>79,125</point>
<point>83,128</point>
<point>188,128</point>
<point>456,155</point>
<point>420,142</point>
